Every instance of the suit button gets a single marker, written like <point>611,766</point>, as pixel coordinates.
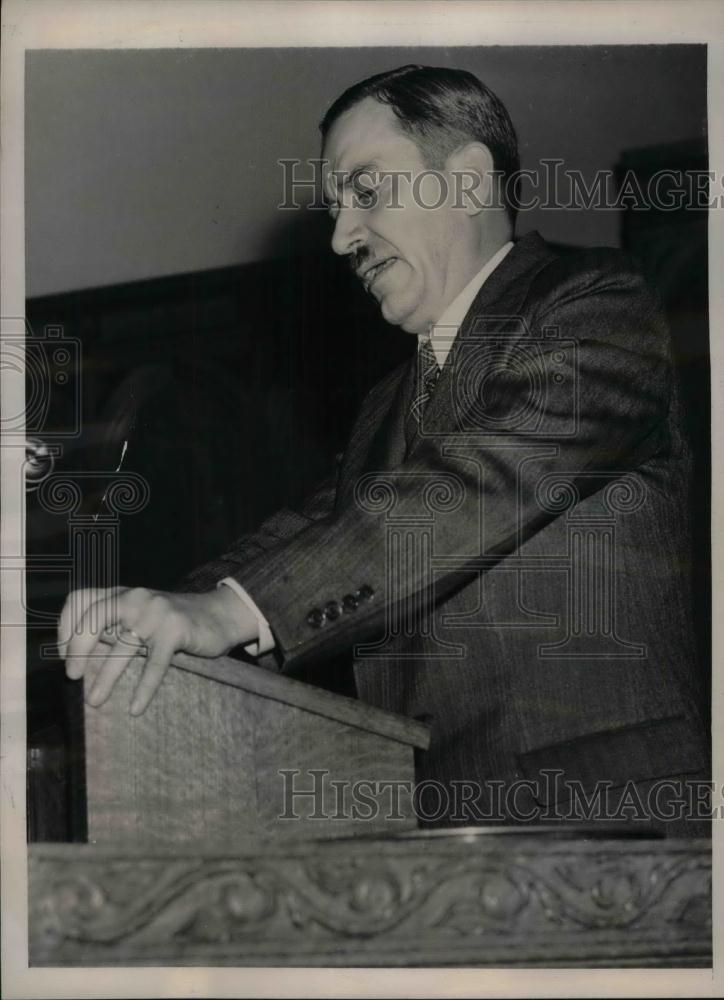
<point>316,618</point>
<point>350,602</point>
<point>366,592</point>
<point>333,610</point>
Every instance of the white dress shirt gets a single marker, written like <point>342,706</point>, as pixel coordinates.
<point>443,333</point>
<point>441,336</point>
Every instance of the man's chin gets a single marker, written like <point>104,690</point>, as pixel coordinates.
<point>404,321</point>
<point>395,315</point>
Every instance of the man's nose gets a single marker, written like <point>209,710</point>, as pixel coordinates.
<point>349,231</point>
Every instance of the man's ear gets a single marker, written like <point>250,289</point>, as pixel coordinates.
<point>471,169</point>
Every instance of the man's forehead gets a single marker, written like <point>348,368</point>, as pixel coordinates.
<point>368,134</point>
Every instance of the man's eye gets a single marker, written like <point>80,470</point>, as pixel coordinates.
<point>365,197</point>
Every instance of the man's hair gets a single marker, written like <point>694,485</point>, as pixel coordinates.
<point>441,109</point>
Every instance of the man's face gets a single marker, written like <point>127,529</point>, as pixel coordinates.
<point>407,255</point>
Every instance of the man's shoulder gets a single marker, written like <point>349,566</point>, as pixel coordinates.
<point>588,270</point>
<point>598,294</point>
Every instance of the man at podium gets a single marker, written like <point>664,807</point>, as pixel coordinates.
<point>503,548</point>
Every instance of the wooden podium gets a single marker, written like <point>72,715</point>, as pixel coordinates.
<point>227,751</point>
<point>191,861</point>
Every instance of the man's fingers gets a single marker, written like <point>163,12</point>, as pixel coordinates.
<point>157,664</point>
<point>128,621</point>
<point>121,655</point>
<point>76,605</point>
<point>98,616</point>
<point>164,629</point>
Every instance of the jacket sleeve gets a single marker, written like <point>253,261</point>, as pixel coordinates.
<point>280,527</point>
<point>479,489</point>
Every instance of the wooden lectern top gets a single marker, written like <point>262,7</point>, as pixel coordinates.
<point>267,684</point>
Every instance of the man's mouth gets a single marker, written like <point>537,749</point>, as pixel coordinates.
<point>373,272</point>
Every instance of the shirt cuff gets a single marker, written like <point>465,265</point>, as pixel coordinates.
<point>265,641</point>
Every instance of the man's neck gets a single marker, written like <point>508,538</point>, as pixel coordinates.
<point>443,333</point>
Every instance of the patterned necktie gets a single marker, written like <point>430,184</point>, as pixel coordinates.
<point>428,372</point>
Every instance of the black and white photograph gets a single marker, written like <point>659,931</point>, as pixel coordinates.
<point>359,502</point>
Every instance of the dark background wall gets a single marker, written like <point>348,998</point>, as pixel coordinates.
<point>223,348</point>
<point>150,163</point>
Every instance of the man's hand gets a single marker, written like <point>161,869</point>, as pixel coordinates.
<point>124,625</point>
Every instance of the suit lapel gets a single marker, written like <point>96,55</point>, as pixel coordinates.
<point>499,299</point>
<point>389,444</point>
<point>378,440</point>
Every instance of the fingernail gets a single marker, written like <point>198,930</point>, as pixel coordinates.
<point>94,698</point>
<point>73,669</point>
<point>136,707</point>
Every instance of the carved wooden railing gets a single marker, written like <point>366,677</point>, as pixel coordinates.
<point>418,899</point>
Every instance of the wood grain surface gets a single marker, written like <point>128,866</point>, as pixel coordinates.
<point>205,763</point>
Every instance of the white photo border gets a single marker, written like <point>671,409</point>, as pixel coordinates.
<point>52,24</point>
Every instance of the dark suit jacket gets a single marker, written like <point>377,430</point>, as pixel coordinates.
<point>518,574</point>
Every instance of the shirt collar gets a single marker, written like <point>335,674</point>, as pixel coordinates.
<point>443,333</point>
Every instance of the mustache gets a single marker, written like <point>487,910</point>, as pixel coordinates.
<point>364,257</point>
<point>358,259</point>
